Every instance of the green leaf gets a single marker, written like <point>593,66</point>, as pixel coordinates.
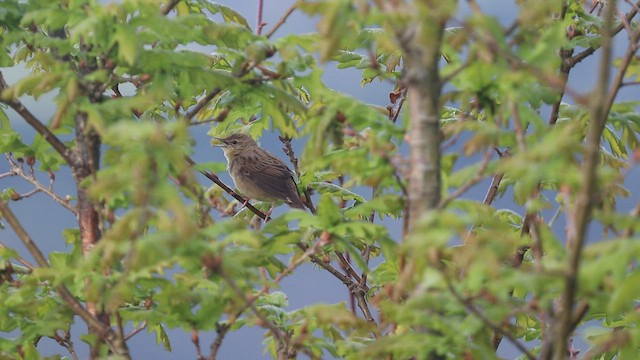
<point>161,336</point>
<point>625,294</point>
<point>336,191</point>
<point>328,211</point>
<point>128,46</point>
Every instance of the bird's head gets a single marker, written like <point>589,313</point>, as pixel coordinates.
<point>234,144</point>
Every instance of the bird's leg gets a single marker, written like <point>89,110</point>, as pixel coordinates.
<point>273,205</point>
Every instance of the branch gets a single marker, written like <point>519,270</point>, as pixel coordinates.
<point>466,186</point>
<point>202,103</point>
<point>565,68</point>
<point>168,7</point>
<point>37,125</point>
<point>496,328</point>
<point>213,177</point>
<point>107,333</point>
<point>16,169</point>
<point>266,322</point>
<point>259,23</point>
<point>421,41</point>
<point>66,343</point>
<point>221,331</point>
<point>584,200</point>
<point>288,150</point>
<point>586,53</point>
<point>495,183</point>
<point>141,327</point>
<point>283,19</point>
<point>22,260</point>
<point>195,339</point>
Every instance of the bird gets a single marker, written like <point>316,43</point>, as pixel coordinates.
<point>258,174</point>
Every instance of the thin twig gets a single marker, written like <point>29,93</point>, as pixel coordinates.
<point>496,328</point>
<point>17,170</point>
<point>204,101</point>
<point>587,52</point>
<point>283,19</point>
<point>288,150</point>
<point>266,322</point>
<point>471,182</point>
<point>195,339</point>
<point>259,23</point>
<point>213,177</point>
<point>140,327</point>
<point>221,331</point>
<point>565,69</point>
<point>22,260</point>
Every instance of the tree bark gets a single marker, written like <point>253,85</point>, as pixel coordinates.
<point>421,43</point>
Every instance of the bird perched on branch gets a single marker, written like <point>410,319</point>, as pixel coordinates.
<point>257,173</point>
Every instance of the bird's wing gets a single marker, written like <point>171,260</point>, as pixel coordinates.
<point>272,176</point>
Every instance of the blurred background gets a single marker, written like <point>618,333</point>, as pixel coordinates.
<point>46,220</point>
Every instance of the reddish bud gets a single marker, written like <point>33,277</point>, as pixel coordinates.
<point>15,196</point>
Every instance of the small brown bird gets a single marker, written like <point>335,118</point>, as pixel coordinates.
<point>257,173</point>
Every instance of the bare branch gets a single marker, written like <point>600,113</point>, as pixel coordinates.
<point>140,327</point>
<point>16,169</point>
<point>283,19</point>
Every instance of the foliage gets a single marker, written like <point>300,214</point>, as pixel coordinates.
<point>154,249</point>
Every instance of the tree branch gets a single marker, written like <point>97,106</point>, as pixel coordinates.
<point>213,177</point>
<point>168,7</point>
<point>584,200</point>
<point>37,125</point>
<point>283,19</point>
<point>420,41</point>
<point>102,330</point>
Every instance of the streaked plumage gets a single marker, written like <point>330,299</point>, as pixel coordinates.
<point>258,174</point>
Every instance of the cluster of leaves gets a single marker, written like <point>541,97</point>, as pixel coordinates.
<point>137,76</point>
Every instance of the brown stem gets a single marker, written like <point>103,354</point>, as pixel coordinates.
<point>584,200</point>
<point>19,171</point>
<point>168,7</point>
<point>423,92</point>
<point>283,19</point>
<point>565,68</point>
<point>288,150</point>
<point>202,103</point>
<point>259,23</point>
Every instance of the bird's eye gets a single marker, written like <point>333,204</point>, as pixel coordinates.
<point>234,142</point>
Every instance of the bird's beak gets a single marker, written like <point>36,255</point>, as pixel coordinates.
<point>218,142</point>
